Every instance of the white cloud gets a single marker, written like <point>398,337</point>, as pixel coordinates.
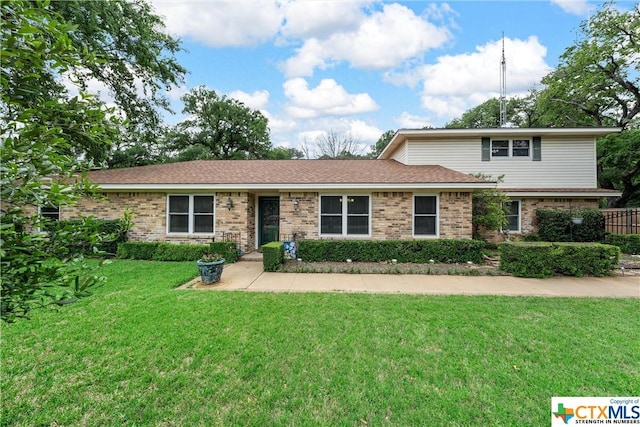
<point>385,39</point>
<point>456,83</point>
<point>222,22</point>
<point>257,100</point>
<point>328,98</point>
<point>574,7</point>
<point>411,121</point>
<point>319,19</point>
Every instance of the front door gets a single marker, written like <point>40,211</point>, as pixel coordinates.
<point>268,219</point>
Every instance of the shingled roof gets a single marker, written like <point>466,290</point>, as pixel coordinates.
<point>282,174</point>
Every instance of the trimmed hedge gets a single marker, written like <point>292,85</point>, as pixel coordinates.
<point>228,250</point>
<point>416,251</point>
<point>272,255</point>
<point>161,251</point>
<point>137,250</point>
<point>544,259</point>
<point>628,243</point>
<point>556,226</point>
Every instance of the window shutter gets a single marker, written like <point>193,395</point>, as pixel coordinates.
<point>486,149</point>
<point>537,148</point>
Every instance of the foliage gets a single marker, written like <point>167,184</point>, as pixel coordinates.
<point>619,165</point>
<point>179,252</point>
<point>544,259</point>
<point>416,251</point>
<point>219,128</point>
<point>133,57</point>
<point>43,130</point>
<point>109,233</point>
<point>272,255</point>
<point>144,353</point>
<point>596,81</point>
<point>228,249</point>
<point>137,250</point>
<point>628,243</point>
<point>381,143</point>
<point>214,257</point>
<point>489,208</point>
<point>282,153</point>
<point>556,225</point>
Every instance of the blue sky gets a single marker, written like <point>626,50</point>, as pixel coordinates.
<point>363,67</point>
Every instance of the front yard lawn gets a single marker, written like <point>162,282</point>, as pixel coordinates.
<point>140,352</point>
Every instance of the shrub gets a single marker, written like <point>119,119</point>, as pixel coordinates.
<point>228,249</point>
<point>556,225</point>
<point>628,243</point>
<point>272,256</point>
<point>179,252</point>
<point>110,232</point>
<point>544,259</point>
<point>417,251</point>
<point>137,250</point>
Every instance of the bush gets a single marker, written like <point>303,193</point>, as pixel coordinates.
<point>228,250</point>
<point>544,259</point>
<point>137,250</point>
<point>110,232</point>
<point>179,252</point>
<point>416,251</point>
<point>628,243</point>
<point>272,256</point>
<point>556,225</point>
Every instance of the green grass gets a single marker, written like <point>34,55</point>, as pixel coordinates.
<point>142,353</point>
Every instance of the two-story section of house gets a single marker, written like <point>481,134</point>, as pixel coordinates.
<point>551,168</point>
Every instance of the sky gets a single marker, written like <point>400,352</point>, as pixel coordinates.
<point>361,67</point>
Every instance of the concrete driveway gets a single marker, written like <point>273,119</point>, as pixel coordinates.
<point>248,276</point>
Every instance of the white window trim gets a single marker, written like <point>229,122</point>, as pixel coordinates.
<point>519,230</point>
<point>345,215</point>
<point>413,217</point>
<point>59,212</point>
<point>191,216</point>
<point>510,148</point>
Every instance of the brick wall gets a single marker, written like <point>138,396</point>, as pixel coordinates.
<point>391,215</point>
<point>302,220</point>
<point>456,215</point>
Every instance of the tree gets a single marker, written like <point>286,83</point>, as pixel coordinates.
<point>335,145</point>
<point>219,128</point>
<point>521,112</point>
<point>619,165</point>
<point>597,80</point>
<point>381,143</point>
<point>132,56</point>
<point>489,208</point>
<point>282,153</point>
<point>42,127</point>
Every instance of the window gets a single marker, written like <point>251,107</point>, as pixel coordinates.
<point>425,216</point>
<point>51,213</point>
<point>190,214</point>
<point>520,148</point>
<point>344,215</point>
<point>500,148</point>
<point>513,216</point>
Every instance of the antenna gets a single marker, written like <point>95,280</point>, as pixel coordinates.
<point>503,87</point>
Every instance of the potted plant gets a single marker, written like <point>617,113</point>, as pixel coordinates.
<point>210,267</point>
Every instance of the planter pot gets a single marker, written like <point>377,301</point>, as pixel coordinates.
<point>210,272</point>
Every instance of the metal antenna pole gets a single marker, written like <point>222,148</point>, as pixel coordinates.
<point>503,87</point>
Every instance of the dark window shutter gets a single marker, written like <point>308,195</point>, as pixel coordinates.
<point>486,149</point>
<point>537,148</point>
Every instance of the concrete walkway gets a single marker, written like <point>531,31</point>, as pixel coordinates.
<point>248,276</point>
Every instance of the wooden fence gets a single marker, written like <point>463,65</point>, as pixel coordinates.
<point>622,221</point>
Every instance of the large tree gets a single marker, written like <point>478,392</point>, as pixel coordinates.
<point>219,128</point>
<point>619,165</point>
<point>381,143</point>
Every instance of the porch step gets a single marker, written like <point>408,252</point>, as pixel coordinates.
<point>251,256</point>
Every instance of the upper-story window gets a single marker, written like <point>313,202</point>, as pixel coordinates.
<point>523,147</point>
<point>510,148</point>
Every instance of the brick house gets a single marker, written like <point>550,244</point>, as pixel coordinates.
<point>419,187</point>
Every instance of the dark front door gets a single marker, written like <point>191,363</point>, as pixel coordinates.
<point>268,219</point>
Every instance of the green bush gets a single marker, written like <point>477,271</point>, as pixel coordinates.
<point>179,252</point>
<point>110,232</point>
<point>137,250</point>
<point>228,250</point>
<point>628,243</point>
<point>544,259</point>
<point>556,226</point>
<point>416,251</point>
<point>272,256</point>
